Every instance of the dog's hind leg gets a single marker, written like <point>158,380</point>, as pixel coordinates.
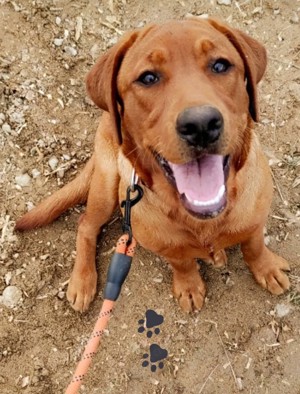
<point>48,210</point>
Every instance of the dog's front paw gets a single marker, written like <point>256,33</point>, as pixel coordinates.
<point>217,259</point>
<point>190,290</point>
<point>82,289</point>
<point>269,273</point>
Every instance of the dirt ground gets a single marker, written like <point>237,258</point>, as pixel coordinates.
<point>244,338</point>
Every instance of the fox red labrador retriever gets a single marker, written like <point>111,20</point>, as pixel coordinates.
<point>179,102</point>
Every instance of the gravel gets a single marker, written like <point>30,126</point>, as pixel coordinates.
<point>11,296</point>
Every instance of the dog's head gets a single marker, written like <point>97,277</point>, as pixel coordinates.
<point>182,97</point>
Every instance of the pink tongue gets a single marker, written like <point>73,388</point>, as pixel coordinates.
<point>200,179</point>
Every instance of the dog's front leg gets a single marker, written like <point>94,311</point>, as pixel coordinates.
<point>188,286</point>
<point>267,268</point>
<point>102,201</point>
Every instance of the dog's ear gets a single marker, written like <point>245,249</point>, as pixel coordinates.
<point>101,81</point>
<point>254,56</point>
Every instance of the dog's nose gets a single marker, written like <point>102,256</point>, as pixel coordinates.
<point>200,126</point>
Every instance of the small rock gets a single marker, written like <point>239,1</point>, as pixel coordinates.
<point>41,144</point>
<point>224,2</point>
<point>30,95</point>
<point>58,42</point>
<point>70,51</point>
<point>2,117</point>
<point>58,20</point>
<point>53,162</point>
<point>6,128</point>
<point>294,18</point>
<point>35,173</point>
<point>159,279</point>
<point>8,277</point>
<point>11,296</point>
<point>61,295</point>
<point>60,173</point>
<point>257,10</point>
<point>17,117</point>
<point>25,382</point>
<point>282,310</point>
<point>23,180</point>
<point>239,383</point>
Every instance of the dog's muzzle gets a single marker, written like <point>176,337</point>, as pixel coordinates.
<point>201,183</point>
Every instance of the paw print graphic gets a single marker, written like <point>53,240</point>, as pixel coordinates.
<point>157,354</point>
<point>151,321</point>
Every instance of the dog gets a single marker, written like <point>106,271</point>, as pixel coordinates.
<point>179,102</point>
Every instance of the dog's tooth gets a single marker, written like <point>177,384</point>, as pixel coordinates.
<point>215,200</point>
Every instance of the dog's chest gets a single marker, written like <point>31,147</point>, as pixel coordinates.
<point>169,236</point>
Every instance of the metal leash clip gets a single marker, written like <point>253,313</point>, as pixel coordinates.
<point>129,203</point>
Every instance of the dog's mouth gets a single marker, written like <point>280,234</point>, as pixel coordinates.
<point>201,183</point>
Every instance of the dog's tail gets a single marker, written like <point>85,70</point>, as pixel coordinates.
<point>73,193</point>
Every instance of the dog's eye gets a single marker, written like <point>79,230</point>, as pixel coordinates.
<point>148,78</point>
<point>220,66</point>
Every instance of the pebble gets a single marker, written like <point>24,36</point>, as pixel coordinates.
<point>224,2</point>
<point>2,117</point>
<point>11,296</point>
<point>23,180</point>
<point>30,95</point>
<point>8,277</point>
<point>53,162</point>
<point>58,42</point>
<point>17,117</point>
<point>58,20</point>
<point>282,310</point>
<point>70,51</point>
<point>25,382</point>
<point>61,173</point>
<point>61,295</point>
<point>35,173</point>
<point>6,128</point>
<point>239,383</point>
<point>257,10</point>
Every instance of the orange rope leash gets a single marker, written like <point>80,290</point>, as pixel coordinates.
<point>102,322</point>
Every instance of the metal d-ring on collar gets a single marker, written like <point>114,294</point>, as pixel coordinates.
<point>129,203</point>
<point>134,180</point>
